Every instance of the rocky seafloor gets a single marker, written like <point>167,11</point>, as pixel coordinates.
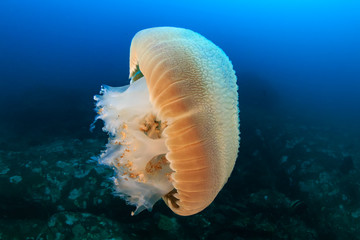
<point>292,180</point>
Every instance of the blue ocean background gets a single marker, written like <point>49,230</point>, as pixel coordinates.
<point>298,70</point>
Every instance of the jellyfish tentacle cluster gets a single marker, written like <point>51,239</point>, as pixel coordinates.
<point>174,131</point>
<point>136,148</point>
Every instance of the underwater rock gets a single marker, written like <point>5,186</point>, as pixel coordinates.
<point>356,213</point>
<point>71,218</point>
<point>168,224</point>
<point>75,193</point>
<point>74,225</point>
<point>283,159</point>
<point>15,179</point>
<point>267,199</point>
<point>293,142</point>
<point>3,168</point>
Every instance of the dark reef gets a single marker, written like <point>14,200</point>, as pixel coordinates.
<point>292,180</point>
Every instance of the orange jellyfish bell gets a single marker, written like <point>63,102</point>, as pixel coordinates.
<point>174,131</point>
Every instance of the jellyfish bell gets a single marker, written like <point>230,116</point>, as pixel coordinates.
<point>174,131</point>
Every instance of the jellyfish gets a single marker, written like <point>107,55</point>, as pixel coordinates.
<point>174,130</point>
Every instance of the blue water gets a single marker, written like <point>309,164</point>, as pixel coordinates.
<point>296,61</point>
